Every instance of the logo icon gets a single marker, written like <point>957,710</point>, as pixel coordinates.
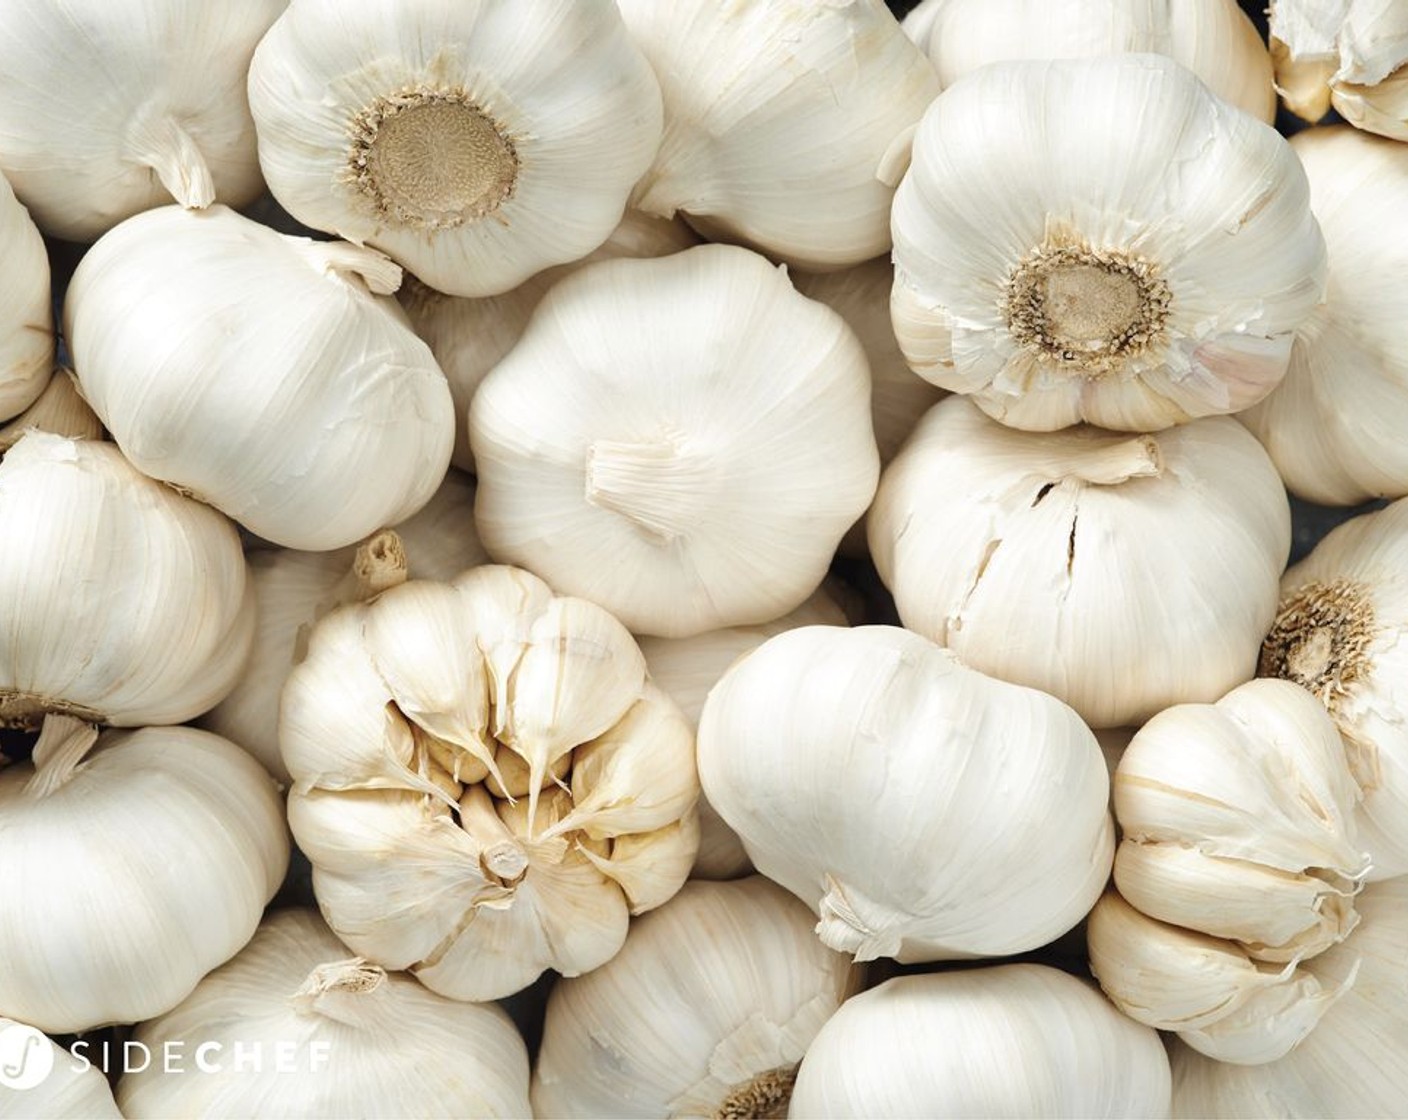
<point>26,1058</point>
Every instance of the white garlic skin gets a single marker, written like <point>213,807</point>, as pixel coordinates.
<point>68,1090</point>
<point>59,410</point>
<point>26,313</point>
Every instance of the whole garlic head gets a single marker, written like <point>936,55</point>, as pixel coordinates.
<point>26,313</point>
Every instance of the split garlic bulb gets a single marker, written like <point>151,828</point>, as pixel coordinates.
<point>114,107</point>
<point>337,1037</point>
<point>922,810</point>
<point>260,373</point>
<point>485,782</point>
<point>166,842</point>
<point>787,122</point>
<point>1214,39</point>
<point>682,440</point>
<point>1011,1040</point>
<point>59,409</point>
<point>1334,426</point>
<point>1119,573</point>
<point>476,142</point>
<point>26,314</point>
<point>126,603</point>
<point>45,1082</point>
<point>706,1011</point>
<point>1048,263</point>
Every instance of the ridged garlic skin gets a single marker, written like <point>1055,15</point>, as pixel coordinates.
<point>26,313</point>
<point>126,602</point>
<point>1214,39</point>
<point>1334,426</point>
<point>1119,573</point>
<point>820,97</point>
<point>683,441</point>
<point>116,107</point>
<point>922,810</point>
<point>261,373</point>
<point>706,1011</point>
<point>1135,255</point>
<point>474,141</point>
<point>68,1090</point>
<point>58,410</point>
<point>1355,1063</point>
<point>1011,1040</point>
<point>168,843</point>
<point>361,1041</point>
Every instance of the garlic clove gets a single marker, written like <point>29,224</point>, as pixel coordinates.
<point>649,865</point>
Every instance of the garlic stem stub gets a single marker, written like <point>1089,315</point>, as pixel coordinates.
<point>1050,264</point>
<point>26,313</point>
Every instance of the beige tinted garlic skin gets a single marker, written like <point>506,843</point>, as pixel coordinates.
<point>68,1089</point>
<point>26,313</point>
<point>475,142</point>
<point>59,410</point>
<point>485,781</point>
<point>1050,265</point>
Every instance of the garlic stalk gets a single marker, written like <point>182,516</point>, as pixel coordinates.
<point>706,1011</point>
<point>1051,266</point>
<point>267,375</point>
<point>787,122</point>
<point>45,1082</point>
<point>336,1037</point>
<point>1015,1040</point>
<point>26,314</point>
<point>59,409</point>
<point>134,927</point>
<point>1120,573</point>
<point>116,107</point>
<point>716,496</point>
<point>474,143</point>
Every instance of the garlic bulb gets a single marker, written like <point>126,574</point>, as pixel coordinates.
<point>336,1037</point>
<point>167,841</point>
<point>294,589</point>
<point>1334,426</point>
<point>1119,573</point>
<point>260,373</point>
<point>1011,1040</point>
<point>26,315</point>
<point>43,1081</point>
<point>706,1011</point>
<point>114,107</point>
<point>683,441</point>
<point>1214,39</point>
<point>476,143</point>
<point>922,810</point>
<point>485,782</point>
<point>58,409</point>
<point>1049,264</point>
<point>1355,1063</point>
<point>787,122</point>
<point>126,603</point>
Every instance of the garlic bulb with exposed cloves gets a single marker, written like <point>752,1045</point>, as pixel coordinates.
<point>1049,263</point>
<point>46,1082</point>
<point>113,108</point>
<point>474,141</point>
<point>681,440</point>
<point>260,373</point>
<point>787,122</point>
<point>59,410</point>
<point>1120,573</point>
<point>26,314</point>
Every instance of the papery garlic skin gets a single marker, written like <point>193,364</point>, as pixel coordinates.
<point>475,142</point>
<point>922,810</point>
<point>1050,265</point>
<point>1011,1040</point>
<point>706,1011</point>
<point>26,313</point>
<point>126,602</point>
<point>68,1089</point>
<point>168,843</point>
<point>820,97</point>
<point>59,409</point>
<point>683,441</point>
<point>332,418</point>
<point>115,108</point>
<point>354,1040</point>
<point>1120,573</point>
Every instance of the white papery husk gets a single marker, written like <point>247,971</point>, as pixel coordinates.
<point>357,1040</point>
<point>1334,425</point>
<point>261,373</point>
<point>787,122</point>
<point>922,810</point>
<point>537,118</point>
<point>126,603</point>
<point>1101,240</point>
<point>1120,573</point>
<point>1010,1040</point>
<point>397,729</point>
<point>683,441</point>
<point>69,1089</point>
<point>706,1011</point>
<point>167,842</point>
<point>59,410</point>
<point>26,313</point>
